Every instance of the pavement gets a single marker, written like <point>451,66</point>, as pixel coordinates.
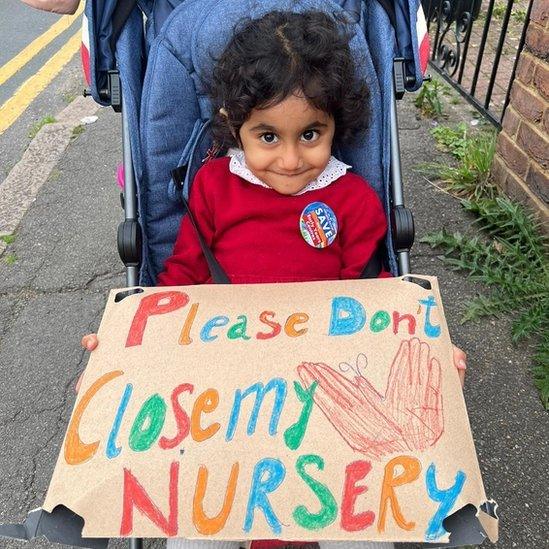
<point>55,276</point>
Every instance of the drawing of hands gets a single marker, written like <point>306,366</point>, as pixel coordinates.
<point>409,416</point>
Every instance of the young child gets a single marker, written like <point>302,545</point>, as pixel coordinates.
<point>280,207</point>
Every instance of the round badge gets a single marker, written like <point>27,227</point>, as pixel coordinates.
<point>318,225</point>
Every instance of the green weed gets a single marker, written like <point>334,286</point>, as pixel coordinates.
<point>36,127</point>
<point>499,10</point>
<point>512,259</point>
<point>451,139</point>
<point>7,238</point>
<point>469,178</point>
<point>428,100</point>
<point>77,130</point>
<point>519,15</point>
<point>10,259</point>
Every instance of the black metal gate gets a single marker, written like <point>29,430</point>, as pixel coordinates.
<point>475,45</point>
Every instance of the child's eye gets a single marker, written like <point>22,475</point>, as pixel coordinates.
<point>269,138</point>
<point>310,135</point>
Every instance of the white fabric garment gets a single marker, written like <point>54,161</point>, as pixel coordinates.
<point>175,543</point>
<point>333,170</point>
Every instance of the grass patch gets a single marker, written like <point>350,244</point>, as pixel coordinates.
<point>429,99</point>
<point>510,254</point>
<point>469,177</point>
<point>499,10</point>
<point>7,238</point>
<point>36,127</point>
<point>519,15</point>
<point>10,259</point>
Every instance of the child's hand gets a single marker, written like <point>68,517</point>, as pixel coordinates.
<point>89,342</point>
<point>460,362</point>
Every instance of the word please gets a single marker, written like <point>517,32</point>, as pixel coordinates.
<point>355,512</point>
<point>347,317</point>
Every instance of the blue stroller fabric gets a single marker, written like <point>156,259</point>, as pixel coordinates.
<point>164,63</point>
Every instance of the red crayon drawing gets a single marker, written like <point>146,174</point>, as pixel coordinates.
<point>409,416</point>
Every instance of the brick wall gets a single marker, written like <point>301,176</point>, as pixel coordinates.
<point>521,164</point>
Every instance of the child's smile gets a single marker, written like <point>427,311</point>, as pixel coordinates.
<point>287,145</point>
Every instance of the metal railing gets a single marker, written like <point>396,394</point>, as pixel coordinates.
<point>475,46</point>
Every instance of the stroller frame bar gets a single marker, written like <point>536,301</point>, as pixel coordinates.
<point>130,208</point>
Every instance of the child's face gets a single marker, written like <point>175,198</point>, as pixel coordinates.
<point>287,145</point>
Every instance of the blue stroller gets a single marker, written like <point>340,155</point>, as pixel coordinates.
<point>135,67</point>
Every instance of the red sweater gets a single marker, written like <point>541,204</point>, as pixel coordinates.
<point>254,232</point>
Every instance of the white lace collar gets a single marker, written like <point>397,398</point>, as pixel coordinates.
<point>334,170</point>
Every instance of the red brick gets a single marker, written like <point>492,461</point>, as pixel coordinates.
<point>534,144</point>
<point>540,11</point>
<point>511,121</point>
<point>513,156</point>
<point>526,67</point>
<point>518,190</point>
<point>515,187</point>
<point>499,171</point>
<point>527,103</point>
<point>545,121</point>
<point>541,79</point>
<point>537,40</point>
<point>538,182</point>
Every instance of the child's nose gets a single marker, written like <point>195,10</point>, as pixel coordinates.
<point>291,159</point>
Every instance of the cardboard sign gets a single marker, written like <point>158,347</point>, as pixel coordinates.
<point>295,411</point>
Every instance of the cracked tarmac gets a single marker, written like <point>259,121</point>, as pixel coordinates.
<point>67,261</point>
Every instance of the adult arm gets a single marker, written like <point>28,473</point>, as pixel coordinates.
<point>55,6</point>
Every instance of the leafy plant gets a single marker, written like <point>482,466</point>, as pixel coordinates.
<point>36,127</point>
<point>429,101</point>
<point>10,259</point>
<point>519,15</point>
<point>469,178</point>
<point>7,238</point>
<point>451,139</point>
<point>77,130</point>
<point>499,10</point>
<point>513,260</point>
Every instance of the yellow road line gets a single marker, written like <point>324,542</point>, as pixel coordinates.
<point>12,109</point>
<point>24,56</point>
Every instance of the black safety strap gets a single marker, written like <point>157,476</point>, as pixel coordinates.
<point>217,273</point>
<point>119,17</point>
<point>373,267</point>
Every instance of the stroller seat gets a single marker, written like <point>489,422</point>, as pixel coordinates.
<point>162,66</point>
<point>175,107</point>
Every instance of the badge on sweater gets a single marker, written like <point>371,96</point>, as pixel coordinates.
<point>318,225</point>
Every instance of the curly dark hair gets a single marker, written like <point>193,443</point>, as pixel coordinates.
<point>282,53</point>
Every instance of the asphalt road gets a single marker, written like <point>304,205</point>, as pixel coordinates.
<point>20,25</point>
